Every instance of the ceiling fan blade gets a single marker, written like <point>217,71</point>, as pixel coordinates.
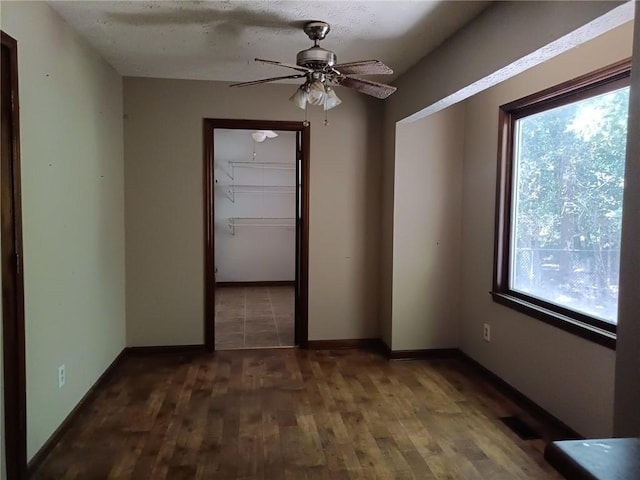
<point>363,67</point>
<point>375,89</point>
<point>280,64</point>
<point>265,80</point>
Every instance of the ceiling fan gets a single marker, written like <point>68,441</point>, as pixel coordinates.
<point>321,72</point>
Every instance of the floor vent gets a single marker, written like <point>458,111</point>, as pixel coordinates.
<point>520,428</point>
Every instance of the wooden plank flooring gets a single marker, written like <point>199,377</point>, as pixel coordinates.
<point>296,414</point>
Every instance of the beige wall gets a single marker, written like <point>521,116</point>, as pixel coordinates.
<point>426,243</point>
<point>164,206</point>
<point>505,39</point>
<point>627,391</point>
<point>3,471</point>
<point>570,377</point>
<point>73,220</point>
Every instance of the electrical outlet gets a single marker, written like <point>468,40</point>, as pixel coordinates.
<point>62,376</point>
<point>486,332</point>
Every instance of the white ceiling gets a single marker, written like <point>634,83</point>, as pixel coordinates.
<point>218,40</point>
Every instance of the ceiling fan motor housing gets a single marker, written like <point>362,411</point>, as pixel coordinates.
<point>316,57</point>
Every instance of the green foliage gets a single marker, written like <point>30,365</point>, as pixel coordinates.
<point>570,175</point>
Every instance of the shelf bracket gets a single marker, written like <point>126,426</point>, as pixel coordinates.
<point>229,192</point>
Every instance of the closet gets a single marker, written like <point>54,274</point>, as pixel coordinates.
<point>255,237</point>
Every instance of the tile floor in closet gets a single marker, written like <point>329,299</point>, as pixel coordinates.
<point>254,317</point>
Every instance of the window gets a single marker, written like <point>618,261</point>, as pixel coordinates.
<point>559,203</point>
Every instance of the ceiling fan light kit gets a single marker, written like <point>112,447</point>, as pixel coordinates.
<point>299,98</point>
<point>316,94</point>
<point>331,99</point>
<point>321,73</point>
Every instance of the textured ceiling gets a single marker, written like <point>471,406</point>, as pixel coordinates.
<point>218,40</point>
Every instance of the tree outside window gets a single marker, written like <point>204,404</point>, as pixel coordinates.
<point>560,201</point>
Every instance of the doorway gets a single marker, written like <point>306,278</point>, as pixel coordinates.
<point>13,333</point>
<point>255,293</point>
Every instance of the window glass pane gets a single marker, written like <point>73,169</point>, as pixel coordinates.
<point>568,181</point>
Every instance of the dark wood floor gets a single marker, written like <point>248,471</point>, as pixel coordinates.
<point>295,414</point>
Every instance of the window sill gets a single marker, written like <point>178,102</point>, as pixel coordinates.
<point>588,332</point>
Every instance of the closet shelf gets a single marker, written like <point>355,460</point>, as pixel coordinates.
<point>261,165</point>
<point>235,222</point>
<point>232,190</point>
<point>267,165</point>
